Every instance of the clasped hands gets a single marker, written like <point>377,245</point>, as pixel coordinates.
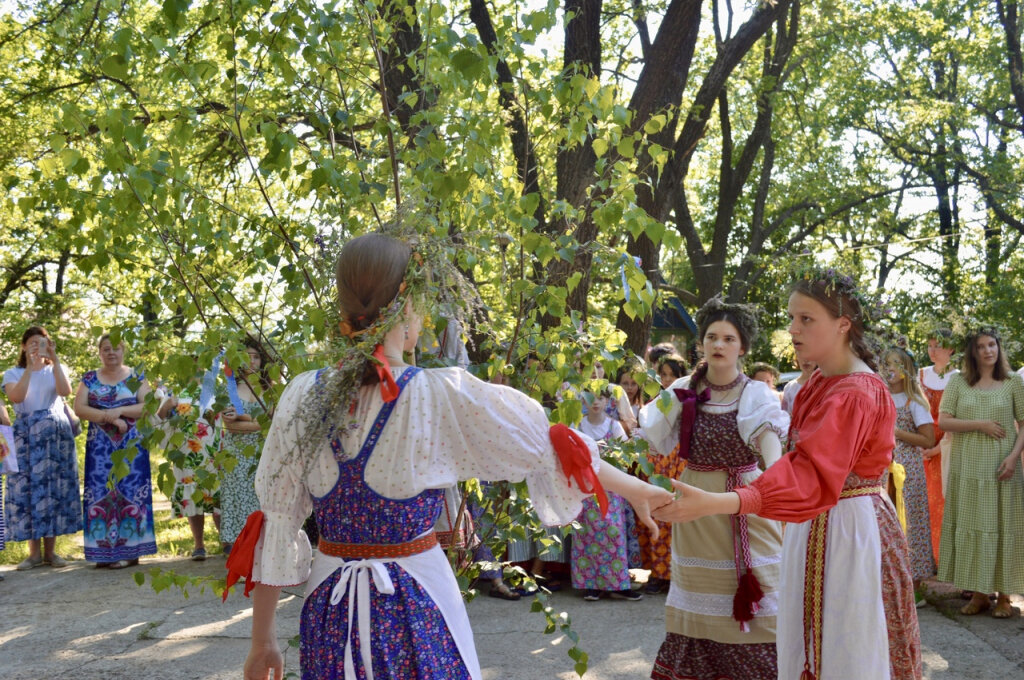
<point>684,505</point>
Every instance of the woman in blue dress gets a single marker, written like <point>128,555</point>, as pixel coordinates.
<point>42,497</point>
<point>370,446</point>
<point>118,520</point>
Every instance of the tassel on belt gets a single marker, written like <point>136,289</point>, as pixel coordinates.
<point>814,583</point>
<point>748,596</point>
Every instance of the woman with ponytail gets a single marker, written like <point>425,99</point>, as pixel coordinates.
<point>369,444</point>
<point>726,428</point>
<point>848,595</point>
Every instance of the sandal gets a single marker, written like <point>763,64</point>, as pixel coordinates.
<point>121,564</point>
<point>29,563</point>
<point>503,592</point>
<point>548,583</point>
<point>1003,610</point>
<point>57,562</point>
<point>975,606</point>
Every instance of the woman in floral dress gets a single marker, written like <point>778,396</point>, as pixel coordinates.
<point>914,432</point>
<point>196,485</point>
<point>118,521</point>
<point>241,446</point>
<point>381,597</point>
<point>599,560</point>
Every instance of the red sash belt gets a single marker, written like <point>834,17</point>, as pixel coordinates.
<point>378,551</point>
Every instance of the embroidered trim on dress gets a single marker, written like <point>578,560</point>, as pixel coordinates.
<point>755,562</point>
<point>712,604</point>
<point>814,583</point>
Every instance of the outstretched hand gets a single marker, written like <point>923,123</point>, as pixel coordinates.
<point>687,506</point>
<point>649,499</point>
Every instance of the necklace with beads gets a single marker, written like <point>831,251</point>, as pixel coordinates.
<point>725,388</point>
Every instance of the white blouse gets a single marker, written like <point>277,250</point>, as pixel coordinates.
<point>447,426</point>
<point>758,411</point>
<point>921,414</point>
<point>42,390</point>
<point>934,381</point>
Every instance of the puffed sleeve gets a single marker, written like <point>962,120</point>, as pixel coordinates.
<point>623,407</point>
<point>283,553</point>
<point>951,395</point>
<point>1017,385</point>
<point>759,410</point>
<point>661,427</point>
<point>450,426</point>
<point>832,437</point>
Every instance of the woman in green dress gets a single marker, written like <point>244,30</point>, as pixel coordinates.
<point>983,526</point>
<point>241,444</point>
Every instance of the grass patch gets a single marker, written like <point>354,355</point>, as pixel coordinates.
<point>173,539</point>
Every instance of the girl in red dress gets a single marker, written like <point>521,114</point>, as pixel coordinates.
<point>847,595</point>
<point>933,380</point>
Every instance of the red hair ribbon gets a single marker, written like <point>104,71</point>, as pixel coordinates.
<point>388,387</point>
<point>243,553</point>
<point>574,456</point>
<point>689,400</point>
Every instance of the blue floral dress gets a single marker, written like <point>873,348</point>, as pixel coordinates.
<point>411,640</point>
<point>118,519</point>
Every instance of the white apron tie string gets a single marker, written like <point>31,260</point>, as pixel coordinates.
<point>360,571</point>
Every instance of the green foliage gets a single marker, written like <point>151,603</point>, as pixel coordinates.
<point>180,171</point>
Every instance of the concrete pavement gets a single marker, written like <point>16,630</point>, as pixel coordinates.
<point>83,623</point>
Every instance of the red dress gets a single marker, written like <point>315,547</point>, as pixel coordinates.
<point>844,548</point>
<point>656,552</point>
<point>933,469</point>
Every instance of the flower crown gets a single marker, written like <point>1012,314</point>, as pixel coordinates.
<point>872,308</point>
<point>432,282</point>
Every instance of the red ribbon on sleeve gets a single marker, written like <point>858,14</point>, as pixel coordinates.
<point>243,553</point>
<point>388,387</point>
<point>689,400</point>
<point>574,456</point>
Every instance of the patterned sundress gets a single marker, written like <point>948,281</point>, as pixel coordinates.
<point>238,485</point>
<point>656,551</point>
<point>118,520</point>
<point>703,640</point>
<point>599,558</point>
<point>42,496</point>
<point>411,640</point>
<point>983,525</point>
<point>196,486</point>
<point>915,498</point>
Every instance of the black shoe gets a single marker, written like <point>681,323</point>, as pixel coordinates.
<point>631,595</point>
<point>592,595</point>
<point>656,585</point>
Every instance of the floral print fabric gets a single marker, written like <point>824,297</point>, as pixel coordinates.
<point>42,496</point>
<point>118,520</point>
